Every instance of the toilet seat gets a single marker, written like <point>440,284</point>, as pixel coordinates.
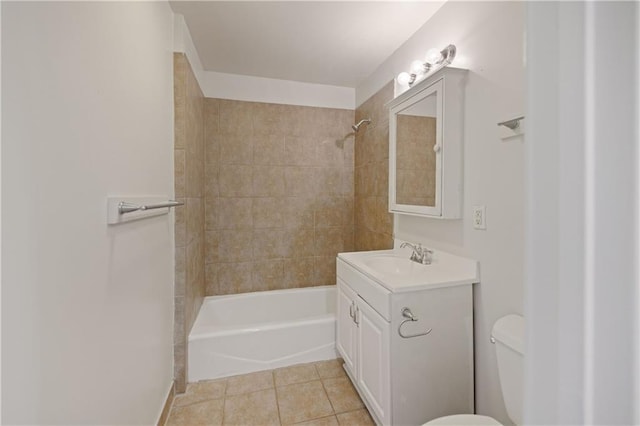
<point>464,420</point>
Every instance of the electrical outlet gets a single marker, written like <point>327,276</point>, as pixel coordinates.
<point>479,217</point>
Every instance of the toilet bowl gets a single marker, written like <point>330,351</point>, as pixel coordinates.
<point>508,336</point>
<point>464,420</point>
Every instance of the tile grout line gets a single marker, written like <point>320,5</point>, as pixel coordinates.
<point>275,390</point>
<point>326,393</point>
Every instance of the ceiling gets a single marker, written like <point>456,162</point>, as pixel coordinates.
<point>334,43</point>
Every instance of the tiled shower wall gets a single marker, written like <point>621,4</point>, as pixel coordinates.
<point>373,222</point>
<point>278,195</point>
<point>189,226</point>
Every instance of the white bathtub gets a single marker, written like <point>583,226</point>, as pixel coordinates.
<point>248,332</point>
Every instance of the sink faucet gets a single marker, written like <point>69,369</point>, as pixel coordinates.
<point>419,254</point>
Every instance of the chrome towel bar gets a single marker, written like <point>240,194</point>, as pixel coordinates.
<point>124,207</point>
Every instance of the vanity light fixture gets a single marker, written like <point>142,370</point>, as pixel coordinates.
<point>434,60</point>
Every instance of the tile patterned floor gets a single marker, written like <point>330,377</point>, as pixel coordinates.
<point>315,394</point>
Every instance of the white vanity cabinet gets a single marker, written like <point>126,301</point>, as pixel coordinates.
<point>405,380</point>
<point>363,341</point>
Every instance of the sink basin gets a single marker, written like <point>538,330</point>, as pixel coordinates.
<point>394,265</point>
<point>393,270</point>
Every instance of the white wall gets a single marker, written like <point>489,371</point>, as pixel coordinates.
<point>259,89</point>
<point>583,366</point>
<point>489,38</point>
<point>87,309</point>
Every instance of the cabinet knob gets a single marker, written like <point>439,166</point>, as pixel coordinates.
<point>436,148</point>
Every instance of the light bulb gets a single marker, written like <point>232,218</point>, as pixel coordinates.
<point>433,56</point>
<point>417,67</point>
<point>403,79</point>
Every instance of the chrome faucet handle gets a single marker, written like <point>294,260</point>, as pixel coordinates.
<point>427,257</point>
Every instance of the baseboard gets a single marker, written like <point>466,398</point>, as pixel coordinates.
<point>167,405</point>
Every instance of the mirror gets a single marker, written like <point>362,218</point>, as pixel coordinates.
<point>415,157</point>
<point>425,147</point>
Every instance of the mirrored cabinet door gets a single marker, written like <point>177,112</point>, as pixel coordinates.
<point>425,164</point>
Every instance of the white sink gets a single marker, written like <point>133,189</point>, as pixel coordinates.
<point>394,265</point>
<point>394,271</point>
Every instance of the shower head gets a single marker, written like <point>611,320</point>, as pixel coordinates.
<point>355,127</point>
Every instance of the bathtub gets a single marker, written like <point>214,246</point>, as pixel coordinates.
<point>249,332</point>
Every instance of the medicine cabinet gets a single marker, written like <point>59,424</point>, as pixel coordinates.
<point>425,147</point>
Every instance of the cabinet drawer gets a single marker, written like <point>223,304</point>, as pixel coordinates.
<point>373,293</point>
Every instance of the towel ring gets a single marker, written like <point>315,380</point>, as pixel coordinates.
<point>406,312</point>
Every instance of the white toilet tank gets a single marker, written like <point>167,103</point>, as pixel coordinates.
<point>508,333</point>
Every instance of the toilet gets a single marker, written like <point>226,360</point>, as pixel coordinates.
<point>508,336</point>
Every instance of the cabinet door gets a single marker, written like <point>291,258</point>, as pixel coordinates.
<point>374,360</point>
<point>346,333</point>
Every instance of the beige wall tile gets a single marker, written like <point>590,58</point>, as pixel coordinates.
<point>298,242</point>
<point>269,150</point>
<point>180,227</point>
<point>298,211</point>
<point>179,170</point>
<point>299,181</point>
<point>330,211</point>
<point>268,181</point>
<point>328,241</point>
<point>235,117</point>
<point>269,119</point>
<point>235,245</point>
<point>324,270</point>
<point>233,276</point>
<point>330,152</point>
<point>211,117</point>
<point>267,212</point>
<point>236,149</point>
<point>211,278</point>
<point>300,151</point>
<point>268,275</point>
<point>235,181</point>
<point>234,213</point>
<point>328,180</point>
<point>189,155</point>
<point>181,271</point>
<point>267,244</point>
<point>372,226</point>
<point>298,272</point>
<point>298,178</point>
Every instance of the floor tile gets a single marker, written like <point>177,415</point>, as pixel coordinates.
<point>355,418</point>
<point>256,408</point>
<point>342,395</point>
<point>301,402</point>
<point>330,368</point>
<point>325,421</point>
<point>295,374</point>
<point>249,382</point>
<point>201,391</point>
<point>207,413</point>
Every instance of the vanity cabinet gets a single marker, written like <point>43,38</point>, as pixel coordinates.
<point>363,340</point>
<point>405,380</point>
